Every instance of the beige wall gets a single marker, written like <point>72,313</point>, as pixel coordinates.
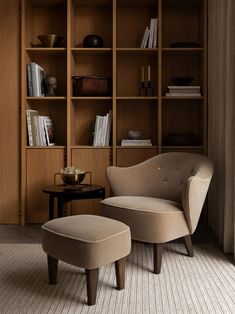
<point>9,110</point>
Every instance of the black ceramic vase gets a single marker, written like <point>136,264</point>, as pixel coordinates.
<point>92,41</point>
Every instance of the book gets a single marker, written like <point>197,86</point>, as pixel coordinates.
<point>108,130</point>
<point>151,32</point>
<point>37,74</point>
<point>128,142</point>
<point>183,94</point>
<point>49,131</point>
<point>155,33</point>
<point>29,80</point>
<point>143,37</point>
<point>29,128</point>
<point>146,38</point>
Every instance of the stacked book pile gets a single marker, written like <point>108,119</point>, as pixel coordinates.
<point>40,129</point>
<point>35,75</point>
<point>102,130</point>
<point>149,39</point>
<point>130,142</point>
<point>185,91</point>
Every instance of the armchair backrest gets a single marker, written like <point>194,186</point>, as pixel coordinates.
<point>162,176</point>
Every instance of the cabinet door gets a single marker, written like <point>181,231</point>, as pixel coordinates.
<point>95,160</point>
<point>41,166</point>
<point>9,112</point>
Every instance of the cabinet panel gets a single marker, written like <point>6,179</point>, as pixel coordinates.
<point>132,156</point>
<point>41,166</point>
<point>95,160</point>
<point>9,111</point>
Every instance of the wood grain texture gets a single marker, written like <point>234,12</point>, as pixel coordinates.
<point>131,156</point>
<point>9,111</point>
<point>95,160</point>
<point>41,166</point>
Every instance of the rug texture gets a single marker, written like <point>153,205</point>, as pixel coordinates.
<point>203,284</point>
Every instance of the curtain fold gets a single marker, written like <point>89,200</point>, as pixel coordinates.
<point>221,119</point>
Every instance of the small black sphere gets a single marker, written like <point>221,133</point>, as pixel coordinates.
<point>92,41</point>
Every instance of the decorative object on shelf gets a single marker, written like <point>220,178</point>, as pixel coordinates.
<point>142,82</point>
<point>143,142</point>
<point>93,41</point>
<point>72,175</point>
<point>50,40</point>
<point>50,82</point>
<point>184,91</point>
<point>181,139</point>
<point>185,44</point>
<point>92,86</point>
<point>182,80</point>
<point>149,88</point>
<point>146,89</point>
<point>135,134</point>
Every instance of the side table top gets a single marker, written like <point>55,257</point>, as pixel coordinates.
<point>74,189</point>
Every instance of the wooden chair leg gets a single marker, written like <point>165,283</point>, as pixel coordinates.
<point>120,273</point>
<point>91,281</point>
<point>52,269</point>
<point>157,257</point>
<point>188,245</point>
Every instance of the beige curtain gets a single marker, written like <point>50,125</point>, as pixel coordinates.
<point>221,121</point>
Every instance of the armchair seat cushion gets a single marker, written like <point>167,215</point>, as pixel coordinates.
<point>150,219</point>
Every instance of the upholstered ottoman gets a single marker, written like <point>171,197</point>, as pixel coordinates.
<point>89,242</point>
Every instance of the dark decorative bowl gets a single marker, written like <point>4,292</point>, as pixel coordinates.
<point>50,40</point>
<point>73,179</point>
<point>92,41</point>
<point>182,80</point>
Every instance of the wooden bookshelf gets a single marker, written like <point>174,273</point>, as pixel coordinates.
<point>121,24</point>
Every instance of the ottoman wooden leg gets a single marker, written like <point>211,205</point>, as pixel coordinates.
<point>52,269</point>
<point>91,282</point>
<point>120,273</point>
<point>157,257</point>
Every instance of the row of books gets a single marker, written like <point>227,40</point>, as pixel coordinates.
<point>102,129</point>
<point>189,91</point>
<point>129,142</point>
<point>35,76</point>
<point>40,129</point>
<point>149,39</point>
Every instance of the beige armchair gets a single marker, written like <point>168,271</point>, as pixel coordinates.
<point>160,199</point>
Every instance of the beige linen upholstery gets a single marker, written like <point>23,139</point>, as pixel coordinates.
<point>89,242</point>
<point>86,241</point>
<point>161,198</point>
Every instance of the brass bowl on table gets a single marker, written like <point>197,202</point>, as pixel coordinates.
<point>50,40</point>
<point>73,179</point>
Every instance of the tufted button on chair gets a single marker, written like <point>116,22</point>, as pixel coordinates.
<point>161,199</point>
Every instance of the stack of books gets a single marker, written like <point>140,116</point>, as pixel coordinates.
<point>40,129</point>
<point>35,76</point>
<point>185,91</point>
<point>129,142</point>
<point>149,39</point>
<point>102,130</point>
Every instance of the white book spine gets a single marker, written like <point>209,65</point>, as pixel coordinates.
<point>144,38</point>
<point>109,123</point>
<point>36,128</point>
<point>95,131</point>
<point>183,94</point>
<point>150,44</point>
<point>35,79</point>
<point>155,33</point>
<point>29,127</point>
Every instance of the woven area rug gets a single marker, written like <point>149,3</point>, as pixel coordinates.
<point>203,284</point>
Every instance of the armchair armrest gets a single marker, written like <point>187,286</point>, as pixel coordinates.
<point>193,197</point>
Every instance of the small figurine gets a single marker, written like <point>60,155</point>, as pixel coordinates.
<point>51,85</point>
